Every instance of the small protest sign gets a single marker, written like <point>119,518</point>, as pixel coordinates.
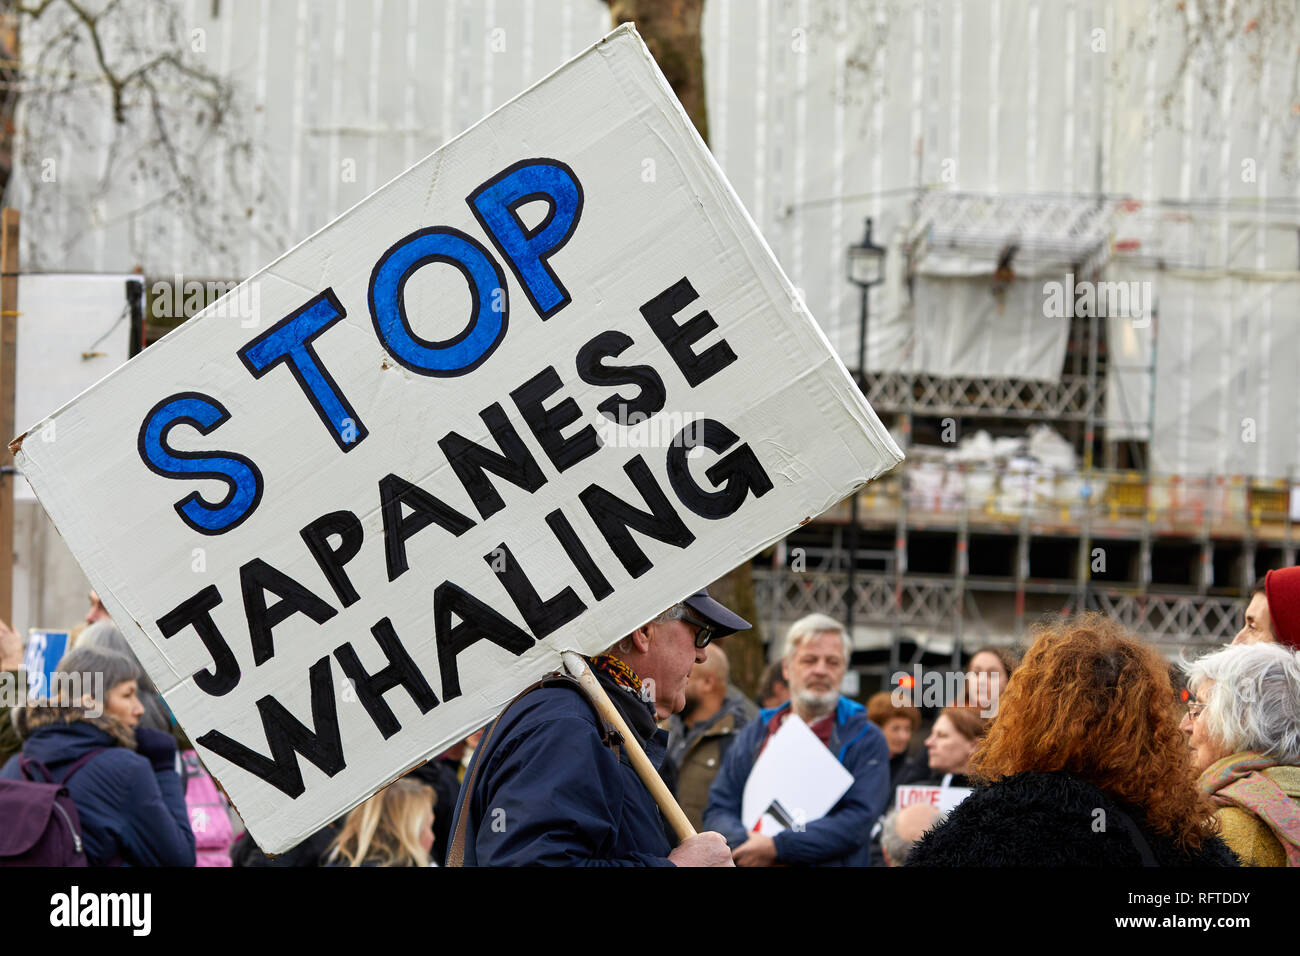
<point>43,652</point>
<point>520,400</point>
<point>942,798</point>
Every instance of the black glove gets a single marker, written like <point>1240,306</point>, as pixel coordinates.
<point>159,747</point>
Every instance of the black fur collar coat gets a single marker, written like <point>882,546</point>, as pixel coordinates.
<point>1052,819</point>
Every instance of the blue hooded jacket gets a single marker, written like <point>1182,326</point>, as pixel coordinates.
<point>843,836</point>
<point>131,806</point>
<point>551,793</point>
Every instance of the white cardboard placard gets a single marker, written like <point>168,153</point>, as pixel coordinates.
<point>351,389</point>
<point>795,781</point>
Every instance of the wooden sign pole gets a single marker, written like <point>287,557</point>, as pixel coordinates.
<point>578,669</point>
<point>8,393</point>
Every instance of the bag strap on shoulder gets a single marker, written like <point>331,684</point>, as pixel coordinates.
<point>26,765</point>
<point>610,737</point>
<point>81,762</point>
<point>29,766</point>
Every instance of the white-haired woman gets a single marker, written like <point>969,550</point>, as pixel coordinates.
<point>1244,732</point>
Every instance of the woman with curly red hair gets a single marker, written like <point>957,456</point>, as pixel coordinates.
<point>1084,765</point>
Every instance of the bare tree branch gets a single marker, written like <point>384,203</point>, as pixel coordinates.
<point>179,138</point>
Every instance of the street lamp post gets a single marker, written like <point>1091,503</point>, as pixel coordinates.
<point>866,267</point>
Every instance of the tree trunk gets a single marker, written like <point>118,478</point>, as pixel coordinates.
<point>671,29</point>
<point>9,80</point>
<point>745,651</point>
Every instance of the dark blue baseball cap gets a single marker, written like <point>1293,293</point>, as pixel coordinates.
<point>723,620</point>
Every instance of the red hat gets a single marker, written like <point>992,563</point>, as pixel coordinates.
<point>1282,589</point>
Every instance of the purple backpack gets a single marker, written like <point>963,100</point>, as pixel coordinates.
<point>41,823</point>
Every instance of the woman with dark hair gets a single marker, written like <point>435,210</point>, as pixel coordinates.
<point>987,674</point>
<point>123,778</point>
<point>957,731</point>
<point>945,762</point>
<point>1085,765</point>
<point>898,723</point>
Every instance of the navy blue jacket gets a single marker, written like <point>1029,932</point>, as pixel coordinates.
<point>843,836</point>
<point>132,807</point>
<point>551,793</point>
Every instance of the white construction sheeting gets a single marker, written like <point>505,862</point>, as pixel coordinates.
<point>972,326</point>
<point>1127,412</point>
<point>962,321</point>
<point>821,112</point>
<point>1226,396</point>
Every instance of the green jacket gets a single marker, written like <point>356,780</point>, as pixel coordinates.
<point>698,756</point>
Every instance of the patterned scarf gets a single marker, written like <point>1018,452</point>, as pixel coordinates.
<point>617,671</point>
<point>1237,781</point>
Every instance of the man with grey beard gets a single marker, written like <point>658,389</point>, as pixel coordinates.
<point>815,660</point>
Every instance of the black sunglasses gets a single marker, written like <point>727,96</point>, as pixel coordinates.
<point>707,630</point>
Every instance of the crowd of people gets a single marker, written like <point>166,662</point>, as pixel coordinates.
<point>1091,750</point>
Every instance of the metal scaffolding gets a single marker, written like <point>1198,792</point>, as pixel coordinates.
<point>1070,399</point>
<point>931,603</point>
<point>1172,558</point>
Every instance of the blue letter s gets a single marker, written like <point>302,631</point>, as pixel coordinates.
<point>204,414</point>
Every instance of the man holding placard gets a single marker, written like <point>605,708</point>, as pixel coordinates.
<point>550,786</point>
<point>815,660</point>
